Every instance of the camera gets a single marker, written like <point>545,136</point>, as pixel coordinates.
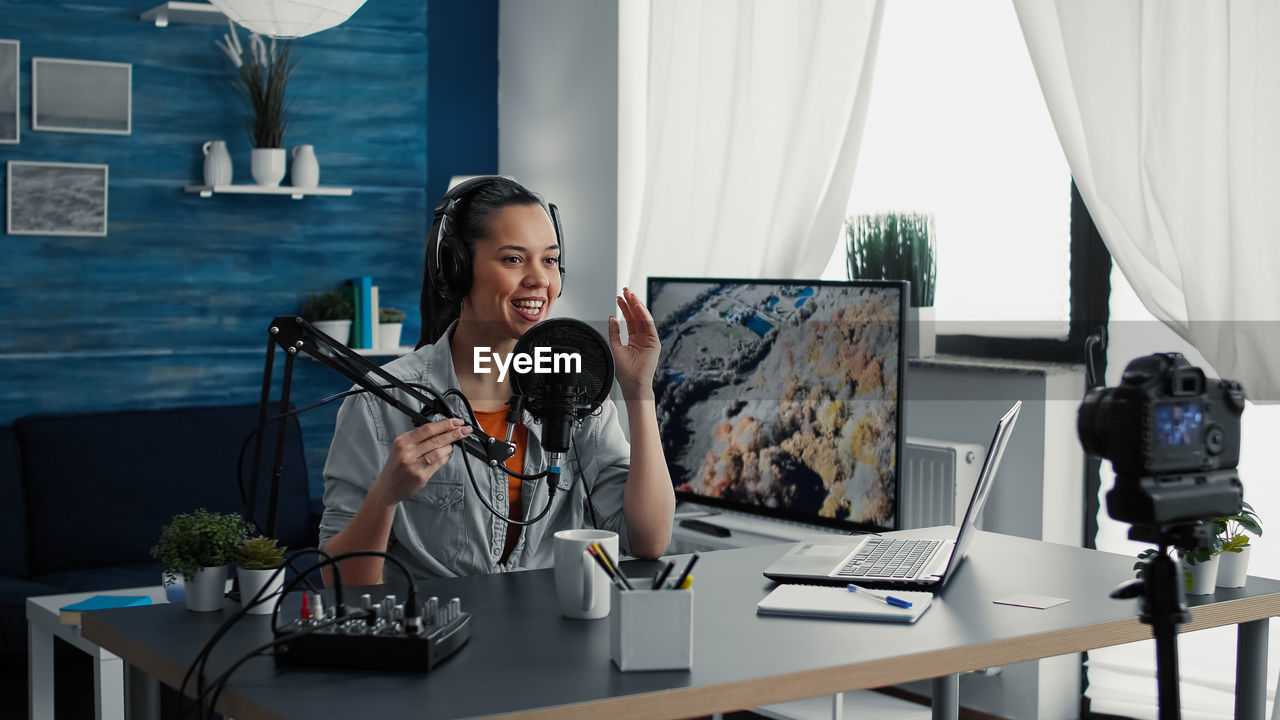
<point>1173,437</point>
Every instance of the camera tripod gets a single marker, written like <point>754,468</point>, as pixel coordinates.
<point>1163,603</point>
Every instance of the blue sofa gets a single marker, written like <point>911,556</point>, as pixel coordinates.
<point>83,496</point>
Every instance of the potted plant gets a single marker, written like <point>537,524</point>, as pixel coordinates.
<point>1233,565</point>
<point>264,72</point>
<point>898,246</point>
<point>199,546</point>
<point>331,312</point>
<point>1199,568</point>
<point>258,565</point>
<point>390,320</point>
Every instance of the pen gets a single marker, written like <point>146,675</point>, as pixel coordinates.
<point>685,573</point>
<point>591,550</point>
<point>658,578</point>
<point>604,554</point>
<point>886,599</point>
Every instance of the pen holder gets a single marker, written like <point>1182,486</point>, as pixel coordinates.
<point>651,629</point>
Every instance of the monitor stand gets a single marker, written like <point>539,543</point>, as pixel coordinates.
<point>745,530</point>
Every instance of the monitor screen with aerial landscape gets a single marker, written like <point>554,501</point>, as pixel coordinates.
<point>783,397</point>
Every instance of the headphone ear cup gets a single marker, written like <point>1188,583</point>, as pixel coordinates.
<point>455,268</point>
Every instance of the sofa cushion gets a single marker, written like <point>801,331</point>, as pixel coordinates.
<point>13,515</point>
<point>112,578</point>
<point>13,615</point>
<point>100,486</point>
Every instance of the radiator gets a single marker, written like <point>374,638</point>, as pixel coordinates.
<point>938,479</point>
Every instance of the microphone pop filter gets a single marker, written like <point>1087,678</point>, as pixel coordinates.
<point>584,383</point>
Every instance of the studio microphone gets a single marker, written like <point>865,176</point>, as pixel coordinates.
<point>568,377</point>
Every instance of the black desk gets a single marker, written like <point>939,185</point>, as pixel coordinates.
<point>524,657</point>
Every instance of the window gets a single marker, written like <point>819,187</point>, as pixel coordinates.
<point>957,126</point>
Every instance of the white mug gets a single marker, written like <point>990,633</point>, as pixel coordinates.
<point>581,585</point>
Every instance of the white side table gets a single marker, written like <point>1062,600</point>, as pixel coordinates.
<point>44,623</point>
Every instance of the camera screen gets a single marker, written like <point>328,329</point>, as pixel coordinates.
<point>1180,423</point>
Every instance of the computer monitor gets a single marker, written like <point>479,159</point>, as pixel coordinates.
<point>783,397</point>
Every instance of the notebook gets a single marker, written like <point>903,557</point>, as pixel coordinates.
<point>912,563</point>
<point>826,601</point>
<point>70,614</point>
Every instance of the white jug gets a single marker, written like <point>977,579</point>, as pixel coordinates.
<point>217,163</point>
<point>305,171</point>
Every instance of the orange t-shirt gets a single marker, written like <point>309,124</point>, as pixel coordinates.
<point>494,424</point>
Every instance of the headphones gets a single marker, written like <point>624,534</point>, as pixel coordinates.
<point>449,258</point>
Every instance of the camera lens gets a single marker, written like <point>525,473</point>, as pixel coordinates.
<point>1090,421</point>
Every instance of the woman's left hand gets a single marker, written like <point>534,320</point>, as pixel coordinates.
<point>636,361</point>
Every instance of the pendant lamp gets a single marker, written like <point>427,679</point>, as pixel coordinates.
<point>287,18</point>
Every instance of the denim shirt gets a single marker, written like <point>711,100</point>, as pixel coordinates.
<point>443,530</point>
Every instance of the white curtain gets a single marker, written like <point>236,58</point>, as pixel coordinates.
<point>739,124</point>
<point>1169,114</point>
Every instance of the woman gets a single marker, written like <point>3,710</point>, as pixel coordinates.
<point>492,271</point>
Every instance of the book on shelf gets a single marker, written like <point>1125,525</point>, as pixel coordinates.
<point>362,328</point>
<point>373,316</point>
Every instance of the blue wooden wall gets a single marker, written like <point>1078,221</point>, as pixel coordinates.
<point>171,307</point>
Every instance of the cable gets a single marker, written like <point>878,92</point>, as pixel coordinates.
<point>220,683</point>
<point>475,425</point>
<point>582,476</point>
<point>410,609</point>
<point>201,659</point>
<point>466,463</point>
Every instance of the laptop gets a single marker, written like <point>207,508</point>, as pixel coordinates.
<point>916,563</point>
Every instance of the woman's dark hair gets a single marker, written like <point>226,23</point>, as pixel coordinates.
<point>468,222</point>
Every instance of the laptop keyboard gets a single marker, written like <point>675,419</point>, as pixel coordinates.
<point>885,558</point>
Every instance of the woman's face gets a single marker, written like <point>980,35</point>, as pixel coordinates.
<point>515,271</point>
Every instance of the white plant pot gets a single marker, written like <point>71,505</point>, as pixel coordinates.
<point>921,333</point>
<point>1204,576</point>
<point>251,581</point>
<point>389,335</point>
<point>339,330</point>
<point>1233,568</point>
<point>206,591</point>
<point>267,165</point>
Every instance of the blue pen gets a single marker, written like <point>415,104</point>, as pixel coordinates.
<point>886,599</point>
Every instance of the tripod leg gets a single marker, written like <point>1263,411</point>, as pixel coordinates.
<point>1251,669</point>
<point>1167,670</point>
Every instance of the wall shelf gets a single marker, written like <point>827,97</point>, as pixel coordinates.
<point>295,192</point>
<point>184,12</point>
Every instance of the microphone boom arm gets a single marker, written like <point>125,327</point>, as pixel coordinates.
<point>294,335</point>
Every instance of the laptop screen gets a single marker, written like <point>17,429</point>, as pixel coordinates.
<point>990,464</point>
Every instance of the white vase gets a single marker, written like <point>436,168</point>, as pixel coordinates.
<point>389,335</point>
<point>1204,576</point>
<point>207,589</point>
<point>217,163</point>
<point>305,171</point>
<point>1233,568</point>
<point>921,333</point>
<point>251,581</point>
<point>339,330</point>
<point>267,166</point>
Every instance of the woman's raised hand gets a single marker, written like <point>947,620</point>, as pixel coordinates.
<point>636,361</point>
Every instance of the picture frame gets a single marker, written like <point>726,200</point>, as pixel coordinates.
<point>56,198</point>
<point>10,82</point>
<point>81,96</point>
